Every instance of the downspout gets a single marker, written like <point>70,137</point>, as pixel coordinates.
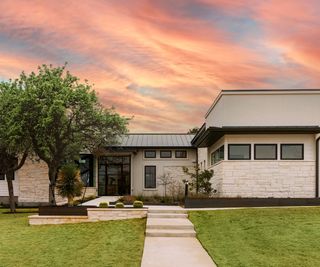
<point>317,166</point>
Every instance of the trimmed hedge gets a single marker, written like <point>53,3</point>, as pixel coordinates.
<point>103,205</point>
<point>119,205</point>
<point>138,204</point>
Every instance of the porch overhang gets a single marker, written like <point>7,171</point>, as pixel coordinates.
<point>207,137</point>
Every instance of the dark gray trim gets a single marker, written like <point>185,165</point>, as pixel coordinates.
<point>291,144</point>
<point>317,167</point>
<point>229,158</point>
<point>255,150</point>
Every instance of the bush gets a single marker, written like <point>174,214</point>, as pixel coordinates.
<point>119,205</point>
<point>138,204</point>
<point>103,205</point>
<point>128,199</point>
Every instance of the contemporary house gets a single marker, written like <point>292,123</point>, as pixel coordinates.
<point>260,143</point>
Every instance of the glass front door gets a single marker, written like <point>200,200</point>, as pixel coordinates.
<point>114,175</point>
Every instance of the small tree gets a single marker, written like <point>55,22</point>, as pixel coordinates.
<point>165,180</point>
<point>194,130</point>
<point>69,182</point>
<point>200,181</point>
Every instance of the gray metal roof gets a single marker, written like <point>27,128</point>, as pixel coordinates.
<point>156,140</point>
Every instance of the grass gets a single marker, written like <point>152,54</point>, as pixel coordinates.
<point>112,243</point>
<point>260,237</point>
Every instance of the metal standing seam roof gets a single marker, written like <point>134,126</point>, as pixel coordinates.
<point>156,140</point>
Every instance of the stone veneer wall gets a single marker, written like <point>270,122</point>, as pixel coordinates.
<point>33,182</point>
<point>217,177</point>
<point>282,179</point>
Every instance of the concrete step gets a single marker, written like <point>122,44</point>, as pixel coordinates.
<point>171,224</point>
<point>170,233</point>
<point>167,215</point>
<point>179,211</point>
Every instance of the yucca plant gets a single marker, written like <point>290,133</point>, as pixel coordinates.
<point>69,184</point>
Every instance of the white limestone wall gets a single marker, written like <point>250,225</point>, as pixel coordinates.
<point>265,178</point>
<point>4,187</point>
<point>173,166</point>
<point>265,109</point>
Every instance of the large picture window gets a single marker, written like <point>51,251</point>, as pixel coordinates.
<point>265,151</point>
<point>239,151</point>
<point>292,152</point>
<point>150,177</point>
<point>86,169</point>
<point>217,155</point>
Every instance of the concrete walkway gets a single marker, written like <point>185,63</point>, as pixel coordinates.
<point>171,240</point>
<point>97,201</point>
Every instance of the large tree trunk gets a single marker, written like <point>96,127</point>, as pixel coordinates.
<point>11,195</point>
<point>52,185</point>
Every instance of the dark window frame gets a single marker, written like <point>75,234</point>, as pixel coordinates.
<point>90,170</point>
<point>229,145</point>
<point>166,157</point>
<point>155,176</point>
<point>181,150</point>
<point>150,150</point>
<point>255,151</point>
<point>212,155</point>
<point>282,145</point>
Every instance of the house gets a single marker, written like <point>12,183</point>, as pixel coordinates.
<point>133,167</point>
<point>259,143</point>
<point>262,143</point>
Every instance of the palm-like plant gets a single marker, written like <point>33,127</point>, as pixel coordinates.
<point>69,184</point>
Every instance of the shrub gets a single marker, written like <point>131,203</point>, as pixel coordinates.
<point>69,184</point>
<point>138,204</point>
<point>129,199</point>
<point>119,205</point>
<point>103,205</point>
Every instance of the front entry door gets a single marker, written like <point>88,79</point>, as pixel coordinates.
<point>117,176</point>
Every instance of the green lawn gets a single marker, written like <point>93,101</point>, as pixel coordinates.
<point>260,237</point>
<point>113,243</point>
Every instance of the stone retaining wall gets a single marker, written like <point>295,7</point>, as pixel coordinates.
<point>94,215</point>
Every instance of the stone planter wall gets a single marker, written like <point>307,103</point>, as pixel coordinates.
<point>94,215</point>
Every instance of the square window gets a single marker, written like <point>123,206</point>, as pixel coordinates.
<point>292,152</point>
<point>265,151</point>
<point>150,177</point>
<point>239,152</point>
<point>217,155</point>
<point>165,154</point>
<point>150,154</point>
<point>180,153</point>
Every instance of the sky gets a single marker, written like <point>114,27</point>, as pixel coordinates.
<point>163,62</point>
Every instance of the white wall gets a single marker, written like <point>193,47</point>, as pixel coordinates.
<point>171,165</point>
<point>4,187</point>
<point>266,109</point>
<point>265,178</point>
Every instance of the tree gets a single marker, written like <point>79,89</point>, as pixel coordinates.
<point>63,117</point>
<point>202,182</point>
<point>69,182</point>
<point>194,130</point>
<point>14,144</point>
<point>165,180</point>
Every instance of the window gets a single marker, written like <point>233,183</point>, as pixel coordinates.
<point>180,154</point>
<point>86,169</point>
<point>292,151</point>
<point>165,154</point>
<point>239,151</point>
<point>1,177</point>
<point>150,154</point>
<point>217,155</point>
<point>265,151</point>
<point>150,177</point>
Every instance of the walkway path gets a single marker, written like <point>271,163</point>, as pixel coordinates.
<point>171,240</point>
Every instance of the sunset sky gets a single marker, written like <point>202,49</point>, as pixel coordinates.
<point>164,61</point>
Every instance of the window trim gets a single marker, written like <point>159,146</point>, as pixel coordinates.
<point>155,175</point>
<point>181,150</point>
<point>150,150</point>
<point>166,151</point>
<point>229,145</point>
<point>292,144</point>
<point>212,163</point>
<point>264,144</point>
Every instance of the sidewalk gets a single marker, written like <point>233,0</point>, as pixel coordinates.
<point>171,240</point>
